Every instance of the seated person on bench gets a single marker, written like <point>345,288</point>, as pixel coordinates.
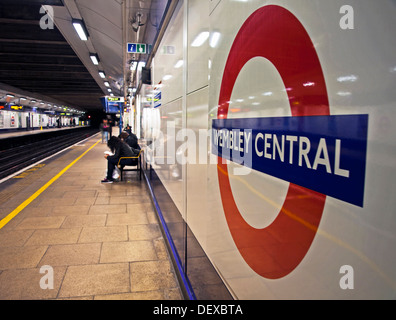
<point>131,139</point>
<point>120,150</point>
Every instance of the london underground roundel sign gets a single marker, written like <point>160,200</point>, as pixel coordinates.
<point>276,34</point>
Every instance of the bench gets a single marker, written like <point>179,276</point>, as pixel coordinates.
<point>137,167</point>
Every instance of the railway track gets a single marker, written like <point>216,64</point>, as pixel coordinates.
<point>18,157</point>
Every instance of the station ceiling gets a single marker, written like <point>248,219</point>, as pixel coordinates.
<point>56,63</point>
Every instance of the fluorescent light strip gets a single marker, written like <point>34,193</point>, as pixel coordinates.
<point>80,29</point>
<point>95,59</point>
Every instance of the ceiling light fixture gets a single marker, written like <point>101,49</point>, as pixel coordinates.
<point>102,74</point>
<point>82,31</point>
<point>95,59</point>
<point>133,65</point>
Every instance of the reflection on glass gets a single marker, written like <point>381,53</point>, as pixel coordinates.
<point>200,39</point>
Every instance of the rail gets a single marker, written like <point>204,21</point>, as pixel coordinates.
<point>16,158</point>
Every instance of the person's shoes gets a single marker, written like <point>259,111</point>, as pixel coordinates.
<point>107,181</point>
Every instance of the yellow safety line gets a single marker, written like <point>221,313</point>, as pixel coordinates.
<point>14,213</point>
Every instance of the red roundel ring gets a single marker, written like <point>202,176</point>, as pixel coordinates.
<point>276,34</point>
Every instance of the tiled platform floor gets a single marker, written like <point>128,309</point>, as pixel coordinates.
<point>102,241</point>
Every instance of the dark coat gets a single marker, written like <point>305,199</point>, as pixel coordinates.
<point>123,150</point>
<point>132,141</point>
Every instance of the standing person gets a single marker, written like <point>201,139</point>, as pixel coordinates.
<point>110,124</point>
<point>104,128</point>
<point>120,149</point>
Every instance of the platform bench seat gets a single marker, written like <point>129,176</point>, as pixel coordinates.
<point>137,167</point>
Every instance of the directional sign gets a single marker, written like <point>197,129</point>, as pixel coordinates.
<point>137,48</point>
<point>115,99</point>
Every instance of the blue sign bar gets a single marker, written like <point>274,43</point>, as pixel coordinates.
<point>326,154</point>
<point>111,106</point>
